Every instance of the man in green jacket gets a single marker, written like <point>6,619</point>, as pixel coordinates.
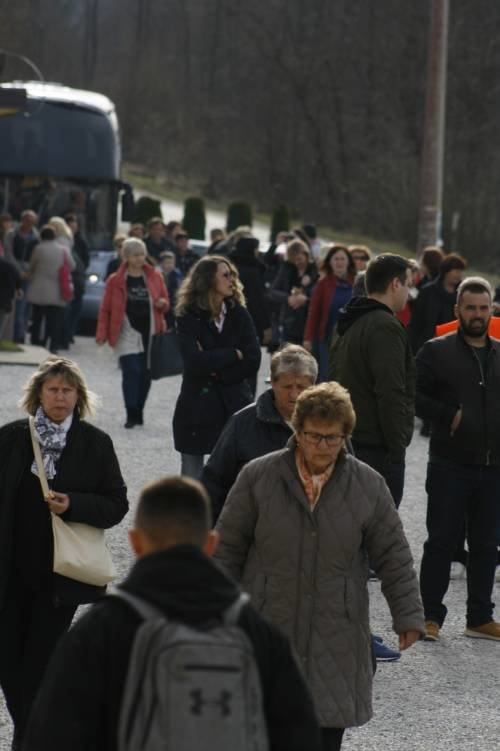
<point>372,358</point>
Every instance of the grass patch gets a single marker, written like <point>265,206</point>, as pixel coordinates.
<point>7,346</point>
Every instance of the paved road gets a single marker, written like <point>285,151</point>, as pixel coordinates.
<point>442,697</point>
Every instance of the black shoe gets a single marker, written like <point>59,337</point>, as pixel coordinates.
<point>139,418</point>
<point>131,419</point>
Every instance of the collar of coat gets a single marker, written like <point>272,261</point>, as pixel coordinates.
<point>265,409</point>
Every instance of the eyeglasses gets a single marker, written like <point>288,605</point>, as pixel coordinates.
<point>315,438</point>
<point>227,275</point>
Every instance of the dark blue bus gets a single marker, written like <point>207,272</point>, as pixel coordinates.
<point>60,152</point>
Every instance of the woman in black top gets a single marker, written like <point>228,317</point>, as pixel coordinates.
<point>293,287</point>
<point>36,605</point>
<point>220,351</point>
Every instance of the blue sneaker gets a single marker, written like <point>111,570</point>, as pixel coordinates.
<point>384,653</point>
<point>376,637</point>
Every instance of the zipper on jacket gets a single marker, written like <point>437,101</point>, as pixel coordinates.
<point>482,384</point>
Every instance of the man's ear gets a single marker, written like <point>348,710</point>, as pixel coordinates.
<point>211,543</point>
<point>136,542</point>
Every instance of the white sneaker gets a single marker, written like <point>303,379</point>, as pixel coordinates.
<point>457,570</point>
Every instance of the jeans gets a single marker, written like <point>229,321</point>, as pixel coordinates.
<point>393,473</point>
<point>71,318</point>
<point>136,380</point>
<point>192,465</point>
<point>458,494</point>
<point>52,332</point>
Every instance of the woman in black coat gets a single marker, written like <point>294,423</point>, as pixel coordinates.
<point>293,288</point>
<point>220,350</point>
<point>37,605</point>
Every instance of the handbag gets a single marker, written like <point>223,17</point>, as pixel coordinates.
<point>80,550</point>
<point>166,357</point>
<point>66,280</point>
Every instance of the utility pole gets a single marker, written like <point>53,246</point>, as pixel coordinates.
<point>431,179</point>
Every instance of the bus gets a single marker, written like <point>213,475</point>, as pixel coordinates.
<point>60,152</point>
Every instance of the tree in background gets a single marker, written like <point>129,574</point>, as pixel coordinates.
<point>194,221</point>
<point>239,214</point>
<point>280,221</point>
<point>146,208</point>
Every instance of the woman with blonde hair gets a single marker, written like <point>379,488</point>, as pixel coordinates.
<point>220,351</point>
<point>62,231</point>
<point>37,605</point>
<point>132,311</point>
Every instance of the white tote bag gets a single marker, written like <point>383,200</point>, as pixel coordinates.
<point>80,550</point>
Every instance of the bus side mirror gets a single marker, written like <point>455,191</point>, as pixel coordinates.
<point>128,203</point>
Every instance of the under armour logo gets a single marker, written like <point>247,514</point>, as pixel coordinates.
<point>199,702</point>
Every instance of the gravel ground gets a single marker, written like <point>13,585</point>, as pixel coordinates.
<point>442,696</point>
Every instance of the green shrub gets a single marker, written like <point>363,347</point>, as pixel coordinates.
<point>239,214</point>
<point>280,221</point>
<point>146,208</point>
<point>193,220</point>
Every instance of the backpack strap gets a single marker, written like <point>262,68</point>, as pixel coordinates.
<point>231,615</point>
<point>142,607</point>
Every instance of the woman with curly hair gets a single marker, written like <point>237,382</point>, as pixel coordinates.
<point>220,350</point>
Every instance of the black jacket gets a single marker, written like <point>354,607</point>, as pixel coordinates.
<point>213,383</point>
<point>87,471</point>
<point>449,376</point>
<point>252,432</point>
<point>294,320</point>
<point>251,272</point>
<point>9,282</point>
<point>79,703</point>
<point>371,357</point>
<point>434,305</point>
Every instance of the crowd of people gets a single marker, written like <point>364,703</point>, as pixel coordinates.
<point>297,503</point>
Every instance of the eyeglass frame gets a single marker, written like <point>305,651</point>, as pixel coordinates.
<point>337,439</point>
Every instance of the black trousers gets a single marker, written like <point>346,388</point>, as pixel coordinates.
<point>331,738</point>
<point>30,627</point>
<point>53,332</point>
<point>394,474</point>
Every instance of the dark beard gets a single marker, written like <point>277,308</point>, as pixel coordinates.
<point>474,333</point>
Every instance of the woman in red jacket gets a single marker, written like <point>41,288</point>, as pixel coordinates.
<point>132,310</point>
<point>332,292</point>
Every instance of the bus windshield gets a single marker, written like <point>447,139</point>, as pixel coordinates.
<point>93,203</point>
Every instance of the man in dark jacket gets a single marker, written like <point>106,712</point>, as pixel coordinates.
<point>261,427</point>
<point>251,272</point>
<point>371,357</point>
<point>458,387</point>
<point>78,706</point>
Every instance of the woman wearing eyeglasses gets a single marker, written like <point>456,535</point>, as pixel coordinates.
<point>297,529</point>
<point>220,351</point>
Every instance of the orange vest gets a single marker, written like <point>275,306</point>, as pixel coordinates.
<point>493,328</point>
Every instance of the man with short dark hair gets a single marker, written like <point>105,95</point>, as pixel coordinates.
<point>155,240</point>
<point>458,390</point>
<point>78,706</point>
<point>371,357</point>
<point>184,255</point>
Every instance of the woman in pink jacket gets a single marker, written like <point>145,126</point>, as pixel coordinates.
<point>132,311</point>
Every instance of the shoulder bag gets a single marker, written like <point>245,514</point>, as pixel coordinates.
<point>166,359</point>
<point>80,550</point>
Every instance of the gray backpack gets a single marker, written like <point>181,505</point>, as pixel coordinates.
<point>191,689</point>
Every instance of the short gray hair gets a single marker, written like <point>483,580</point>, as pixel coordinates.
<point>131,244</point>
<point>475,284</point>
<point>293,359</point>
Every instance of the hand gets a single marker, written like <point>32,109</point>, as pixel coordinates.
<point>300,300</point>
<point>58,502</point>
<point>160,303</point>
<point>24,275</point>
<point>240,354</point>
<point>408,638</point>
<point>19,294</point>
<point>307,345</point>
<point>456,421</point>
